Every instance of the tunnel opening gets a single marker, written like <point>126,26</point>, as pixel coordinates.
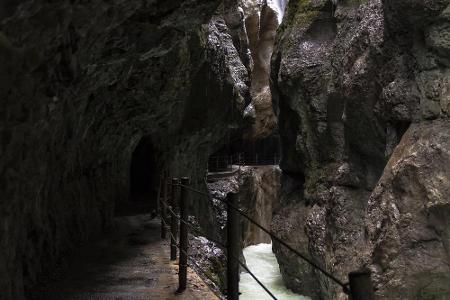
<point>144,180</point>
<point>143,172</point>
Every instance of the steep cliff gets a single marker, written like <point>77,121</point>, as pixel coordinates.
<point>81,83</point>
<point>259,196</point>
<point>349,77</point>
<point>257,188</point>
<point>408,217</point>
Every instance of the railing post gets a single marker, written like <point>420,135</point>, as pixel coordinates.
<point>164,210</point>
<point>233,248</point>
<point>182,271</point>
<point>174,220</point>
<point>158,197</point>
<point>361,285</point>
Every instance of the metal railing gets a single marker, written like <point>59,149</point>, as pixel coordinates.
<point>358,287</point>
<point>222,163</point>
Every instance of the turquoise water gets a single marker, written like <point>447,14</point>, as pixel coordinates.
<point>262,262</point>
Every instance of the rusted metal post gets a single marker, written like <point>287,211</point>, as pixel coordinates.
<point>233,248</point>
<point>174,220</point>
<point>164,210</point>
<point>182,271</point>
<point>361,285</point>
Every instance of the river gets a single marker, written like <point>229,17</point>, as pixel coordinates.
<point>263,263</point>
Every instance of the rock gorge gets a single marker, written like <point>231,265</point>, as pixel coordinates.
<point>349,81</point>
<point>357,90</point>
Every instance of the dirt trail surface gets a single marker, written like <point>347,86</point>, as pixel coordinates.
<point>132,262</point>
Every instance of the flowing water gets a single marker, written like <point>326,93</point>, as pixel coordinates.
<point>279,6</point>
<point>263,263</point>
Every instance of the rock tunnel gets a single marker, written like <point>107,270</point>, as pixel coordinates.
<point>144,179</point>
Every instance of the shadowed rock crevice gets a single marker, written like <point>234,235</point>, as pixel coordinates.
<point>260,21</point>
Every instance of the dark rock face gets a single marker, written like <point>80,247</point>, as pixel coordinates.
<point>81,83</point>
<point>258,189</point>
<point>259,196</point>
<point>408,219</point>
<point>7,7</point>
<point>348,83</point>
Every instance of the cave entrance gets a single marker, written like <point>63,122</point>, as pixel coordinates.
<point>143,180</point>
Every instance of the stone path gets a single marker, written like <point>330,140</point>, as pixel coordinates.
<point>131,263</point>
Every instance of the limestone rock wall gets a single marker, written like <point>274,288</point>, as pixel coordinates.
<point>349,80</point>
<point>408,217</point>
<point>81,82</point>
<point>258,189</point>
<point>259,197</point>
<point>253,24</point>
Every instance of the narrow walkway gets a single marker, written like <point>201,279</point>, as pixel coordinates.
<point>130,263</point>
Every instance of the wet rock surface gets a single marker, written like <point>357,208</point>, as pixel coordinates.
<point>259,196</point>
<point>258,190</point>
<point>407,219</point>
<point>349,80</point>
<point>209,261</point>
<point>81,83</point>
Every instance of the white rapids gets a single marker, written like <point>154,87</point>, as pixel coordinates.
<point>279,7</point>
<point>263,264</point>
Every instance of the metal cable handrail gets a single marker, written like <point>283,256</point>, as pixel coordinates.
<point>192,226</point>
<point>201,269</point>
<point>219,243</point>
<point>247,269</point>
<point>349,287</point>
<point>256,279</point>
<point>276,238</point>
<point>190,259</point>
<point>171,235</point>
<point>221,163</point>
